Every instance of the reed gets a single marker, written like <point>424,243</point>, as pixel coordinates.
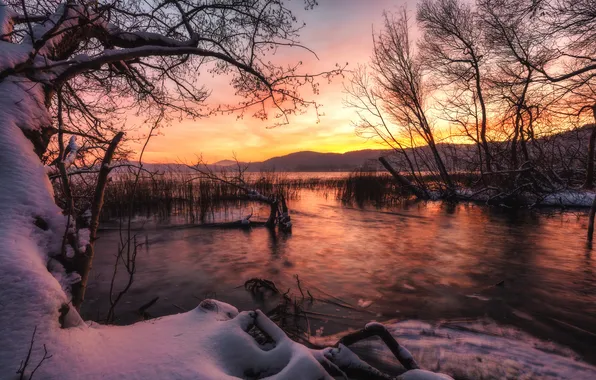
<point>198,200</point>
<point>183,194</point>
<point>362,187</point>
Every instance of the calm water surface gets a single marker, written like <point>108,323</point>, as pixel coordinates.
<point>428,261</point>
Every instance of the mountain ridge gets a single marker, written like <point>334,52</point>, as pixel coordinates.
<point>312,161</point>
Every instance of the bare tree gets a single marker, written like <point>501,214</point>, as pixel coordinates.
<point>373,123</point>
<point>398,91</point>
<point>562,51</point>
<point>109,59</point>
<point>452,47</point>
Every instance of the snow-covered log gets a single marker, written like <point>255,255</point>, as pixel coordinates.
<point>41,55</point>
<point>209,342</point>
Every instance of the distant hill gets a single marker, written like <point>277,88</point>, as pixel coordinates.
<point>315,161</point>
<point>306,161</point>
<point>455,156</point>
<point>225,163</point>
<point>309,161</point>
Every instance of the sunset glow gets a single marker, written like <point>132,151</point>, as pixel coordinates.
<point>338,31</point>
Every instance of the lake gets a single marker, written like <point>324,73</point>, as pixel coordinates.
<point>428,261</point>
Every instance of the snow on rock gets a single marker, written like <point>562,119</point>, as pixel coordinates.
<point>208,342</point>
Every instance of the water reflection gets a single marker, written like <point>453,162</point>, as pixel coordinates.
<point>430,261</point>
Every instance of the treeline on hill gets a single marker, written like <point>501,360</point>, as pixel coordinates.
<point>500,89</point>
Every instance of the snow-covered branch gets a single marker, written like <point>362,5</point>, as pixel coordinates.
<point>83,63</point>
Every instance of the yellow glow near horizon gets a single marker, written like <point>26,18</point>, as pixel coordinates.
<point>220,137</point>
<point>338,33</point>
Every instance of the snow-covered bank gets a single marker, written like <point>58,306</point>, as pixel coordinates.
<point>30,296</point>
<point>209,342</point>
<point>569,199</point>
<point>206,343</point>
<point>474,350</point>
<point>563,198</point>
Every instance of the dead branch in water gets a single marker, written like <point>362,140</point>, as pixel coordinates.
<point>279,213</point>
<point>403,181</point>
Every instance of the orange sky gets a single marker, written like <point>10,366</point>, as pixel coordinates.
<point>339,31</point>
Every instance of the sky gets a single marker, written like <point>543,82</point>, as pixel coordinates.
<point>339,31</point>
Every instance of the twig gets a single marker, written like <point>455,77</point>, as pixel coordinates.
<point>25,363</point>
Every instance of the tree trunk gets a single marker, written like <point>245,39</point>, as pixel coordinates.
<point>590,166</point>
<point>483,123</point>
<point>441,165</point>
<point>84,261</point>
<point>403,181</point>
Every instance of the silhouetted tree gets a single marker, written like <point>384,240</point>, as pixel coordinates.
<point>396,96</point>
<point>104,60</point>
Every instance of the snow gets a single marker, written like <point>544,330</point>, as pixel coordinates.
<point>561,198</point>
<point>420,374</point>
<point>30,296</point>
<point>67,22</point>
<point>209,342</point>
<point>480,350</point>
<point>569,198</point>
<point>364,303</point>
<point>12,54</point>
<point>70,253</point>
<point>72,149</point>
<point>6,23</point>
<point>83,238</point>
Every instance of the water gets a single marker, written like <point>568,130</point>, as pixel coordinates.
<point>427,261</point>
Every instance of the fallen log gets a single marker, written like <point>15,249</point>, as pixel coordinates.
<point>403,181</point>
<point>224,225</point>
